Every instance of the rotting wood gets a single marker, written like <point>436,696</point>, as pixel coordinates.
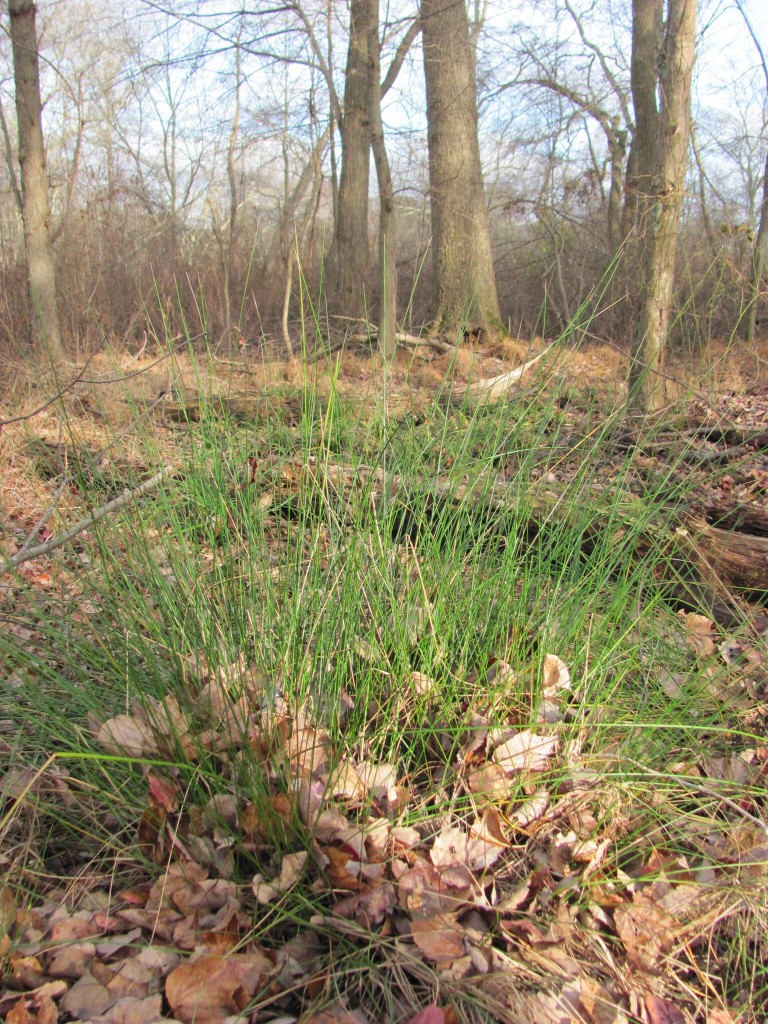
<point>288,407</point>
<point>491,389</point>
<point>699,564</point>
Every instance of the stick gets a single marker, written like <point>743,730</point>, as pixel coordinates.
<point>93,517</point>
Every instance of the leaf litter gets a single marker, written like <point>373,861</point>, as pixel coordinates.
<point>514,894</point>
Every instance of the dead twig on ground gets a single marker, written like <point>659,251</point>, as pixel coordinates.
<point>91,519</point>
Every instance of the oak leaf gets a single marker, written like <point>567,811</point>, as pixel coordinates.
<point>212,988</point>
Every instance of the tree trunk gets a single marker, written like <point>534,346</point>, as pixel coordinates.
<point>387,265</point>
<point>41,274</point>
<point>234,198</point>
<point>461,244</point>
<point>758,247</point>
<point>758,260</point>
<point>647,18</point>
<point>662,138</point>
<point>617,148</point>
<point>350,256</point>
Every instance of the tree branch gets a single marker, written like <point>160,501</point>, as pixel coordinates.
<point>400,54</point>
<point>92,518</point>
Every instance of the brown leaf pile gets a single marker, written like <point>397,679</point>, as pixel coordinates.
<point>507,885</point>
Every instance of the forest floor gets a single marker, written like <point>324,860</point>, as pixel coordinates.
<point>344,702</point>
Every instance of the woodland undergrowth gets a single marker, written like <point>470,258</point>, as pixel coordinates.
<point>334,724</point>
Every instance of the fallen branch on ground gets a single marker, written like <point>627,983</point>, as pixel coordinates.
<point>93,517</point>
<point>490,389</point>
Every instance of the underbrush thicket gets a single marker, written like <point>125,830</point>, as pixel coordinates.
<point>396,586</point>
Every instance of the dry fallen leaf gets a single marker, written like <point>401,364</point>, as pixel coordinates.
<point>440,938</point>
<point>490,782</point>
<point>290,872</point>
<point>555,677</point>
<point>532,808</point>
<point>525,751</point>
<point>486,841</point>
<point>449,848</point>
<point>377,778</point>
<point>662,1011</point>
<point>308,750</point>
<point>646,929</point>
<point>87,998</point>
<point>345,782</point>
<point>369,909</point>
<point>127,736</point>
<point>699,632</point>
<point>431,1014</point>
<point>132,1010</point>
<point>212,988</point>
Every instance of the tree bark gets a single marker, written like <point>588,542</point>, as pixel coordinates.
<point>461,244</point>
<point>661,138</point>
<point>647,19</point>
<point>45,330</point>
<point>387,243</point>
<point>758,245</point>
<point>350,258</point>
<point>758,260</point>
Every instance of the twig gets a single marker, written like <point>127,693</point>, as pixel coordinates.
<point>688,783</point>
<point>93,517</point>
<point>59,394</point>
<point>44,517</point>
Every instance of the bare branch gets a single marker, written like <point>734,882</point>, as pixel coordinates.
<point>92,518</point>
<point>400,54</point>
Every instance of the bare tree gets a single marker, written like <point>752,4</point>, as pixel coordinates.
<point>226,239</point>
<point>461,241</point>
<point>758,245</point>
<point>41,271</point>
<point>662,62</point>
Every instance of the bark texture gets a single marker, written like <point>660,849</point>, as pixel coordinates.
<point>462,257</point>
<point>661,140</point>
<point>45,331</point>
<point>350,259</point>
<point>758,260</point>
<point>387,241</point>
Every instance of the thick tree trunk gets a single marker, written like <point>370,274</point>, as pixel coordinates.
<point>41,274</point>
<point>350,256</point>
<point>461,244</point>
<point>662,140</point>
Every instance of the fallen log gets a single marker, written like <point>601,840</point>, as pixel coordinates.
<point>701,566</point>
<point>288,407</point>
<point>491,389</point>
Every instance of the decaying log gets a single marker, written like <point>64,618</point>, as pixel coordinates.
<point>490,389</point>
<point>698,564</point>
<point>286,407</point>
<point>237,407</point>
